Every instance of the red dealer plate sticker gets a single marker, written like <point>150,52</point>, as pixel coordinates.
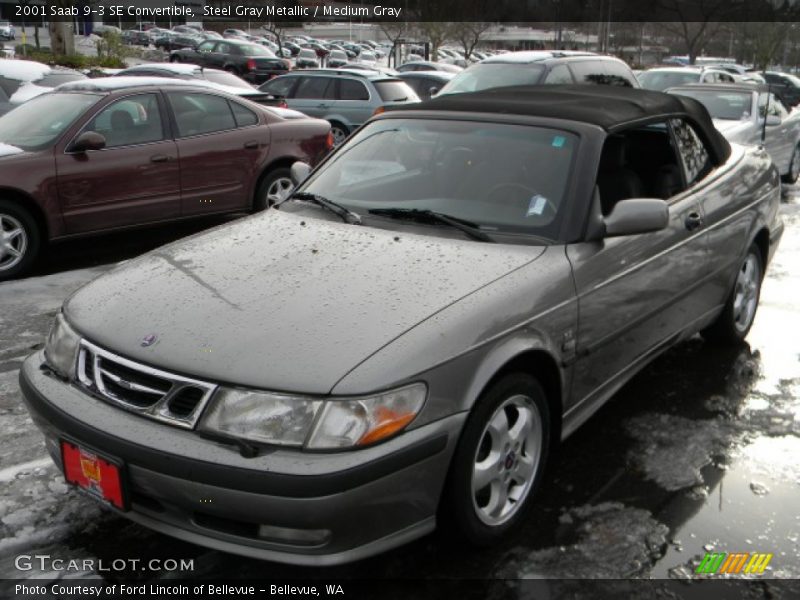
<point>96,474</point>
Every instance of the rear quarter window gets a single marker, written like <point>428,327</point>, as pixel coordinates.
<point>395,91</point>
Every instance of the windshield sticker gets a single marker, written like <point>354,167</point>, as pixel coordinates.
<point>558,141</point>
<point>536,205</point>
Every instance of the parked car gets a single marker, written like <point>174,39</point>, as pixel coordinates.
<point>427,65</point>
<point>739,111</point>
<point>426,83</point>
<point>21,80</point>
<point>344,97</point>
<point>541,67</point>
<point>666,77</point>
<point>367,57</point>
<point>307,59</point>
<point>178,41</point>
<point>223,80</point>
<point>128,151</point>
<point>293,48</point>
<point>337,58</point>
<point>785,84</point>
<point>7,30</point>
<point>236,32</point>
<point>407,339</point>
<point>252,62</point>
<point>136,37</point>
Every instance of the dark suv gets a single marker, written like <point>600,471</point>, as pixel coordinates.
<point>252,62</point>
<point>542,67</point>
<point>115,152</point>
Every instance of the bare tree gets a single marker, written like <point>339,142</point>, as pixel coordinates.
<point>694,23</point>
<point>437,33</point>
<point>468,34</point>
<point>394,31</point>
<point>62,35</point>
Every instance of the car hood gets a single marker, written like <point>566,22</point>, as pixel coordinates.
<point>8,149</point>
<point>732,130</point>
<point>280,301</point>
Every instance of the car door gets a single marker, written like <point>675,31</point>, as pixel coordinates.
<point>777,139</point>
<point>636,293</point>
<point>222,146</point>
<point>134,179</point>
<point>203,52</point>
<point>314,96</point>
<point>353,101</point>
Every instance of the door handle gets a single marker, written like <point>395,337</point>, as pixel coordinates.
<point>157,158</point>
<point>323,105</point>
<point>251,144</point>
<point>693,221</point>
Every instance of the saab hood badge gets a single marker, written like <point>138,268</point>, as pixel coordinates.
<point>149,340</point>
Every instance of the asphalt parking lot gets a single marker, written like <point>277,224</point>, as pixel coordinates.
<point>697,453</point>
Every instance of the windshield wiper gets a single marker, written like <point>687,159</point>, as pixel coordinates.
<point>417,214</point>
<point>347,215</point>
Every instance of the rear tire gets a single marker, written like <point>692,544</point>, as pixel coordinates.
<point>340,133</point>
<point>734,322</point>
<point>275,187</point>
<point>20,240</point>
<point>794,167</point>
<point>499,462</point>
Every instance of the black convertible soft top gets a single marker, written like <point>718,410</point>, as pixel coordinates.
<point>610,107</point>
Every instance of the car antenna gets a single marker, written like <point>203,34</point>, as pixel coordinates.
<point>766,112</point>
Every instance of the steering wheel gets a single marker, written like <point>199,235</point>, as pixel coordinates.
<point>511,193</point>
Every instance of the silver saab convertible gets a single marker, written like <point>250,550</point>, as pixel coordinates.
<point>405,340</point>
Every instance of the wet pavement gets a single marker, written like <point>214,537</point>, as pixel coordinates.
<point>699,452</point>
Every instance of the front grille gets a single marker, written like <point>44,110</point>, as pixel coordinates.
<point>150,392</point>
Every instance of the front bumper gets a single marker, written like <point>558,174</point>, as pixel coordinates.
<point>283,505</point>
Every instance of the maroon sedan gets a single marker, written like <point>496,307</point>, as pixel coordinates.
<point>120,152</point>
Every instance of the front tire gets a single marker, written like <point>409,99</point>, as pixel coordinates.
<point>736,319</point>
<point>794,167</point>
<point>500,460</point>
<point>19,240</point>
<point>275,187</point>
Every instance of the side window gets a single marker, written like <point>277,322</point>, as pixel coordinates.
<point>244,116</point>
<point>558,74</point>
<point>197,113</point>
<point>314,88</point>
<point>618,74</point>
<point>206,47</point>
<point>280,86</point>
<point>352,90</point>
<point>725,78</point>
<point>774,108</point>
<point>779,108</point>
<point>223,48</point>
<point>128,121</point>
<point>694,155</point>
<point>596,72</point>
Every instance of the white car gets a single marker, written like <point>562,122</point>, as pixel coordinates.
<point>21,80</point>
<point>7,31</point>
<point>738,112</point>
<point>666,77</point>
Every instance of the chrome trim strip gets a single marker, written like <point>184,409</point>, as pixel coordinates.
<point>159,409</point>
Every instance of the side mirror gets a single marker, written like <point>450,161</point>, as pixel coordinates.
<point>773,120</point>
<point>433,91</point>
<point>88,140</point>
<point>637,215</point>
<point>299,172</point>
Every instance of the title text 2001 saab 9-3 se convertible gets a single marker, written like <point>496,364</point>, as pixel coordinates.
<point>446,297</point>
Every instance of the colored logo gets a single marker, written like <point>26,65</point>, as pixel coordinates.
<point>734,563</point>
<point>149,340</point>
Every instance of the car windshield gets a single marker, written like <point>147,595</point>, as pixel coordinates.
<point>661,80</point>
<point>484,76</point>
<point>506,179</point>
<point>39,122</point>
<point>225,78</point>
<point>728,106</point>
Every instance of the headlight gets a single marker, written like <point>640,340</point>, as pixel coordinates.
<point>299,421</point>
<point>61,349</point>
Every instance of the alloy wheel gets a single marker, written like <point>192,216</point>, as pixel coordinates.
<point>279,190</point>
<point>507,460</point>
<point>339,135</point>
<point>13,242</point>
<point>745,297</point>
